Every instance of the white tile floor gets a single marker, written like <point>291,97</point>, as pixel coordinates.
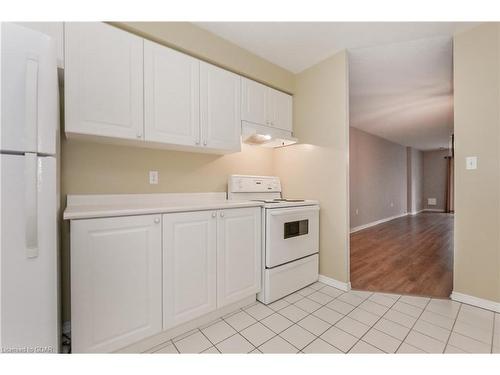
<point>322,319</point>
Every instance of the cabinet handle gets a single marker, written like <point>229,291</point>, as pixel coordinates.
<point>214,214</point>
<point>157,220</point>
<point>222,214</point>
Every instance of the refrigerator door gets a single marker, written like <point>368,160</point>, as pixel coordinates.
<point>29,313</point>
<point>29,105</point>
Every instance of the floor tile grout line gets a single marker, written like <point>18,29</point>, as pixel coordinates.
<point>234,334</point>
<point>373,326</point>
<point>452,327</point>
<point>413,325</point>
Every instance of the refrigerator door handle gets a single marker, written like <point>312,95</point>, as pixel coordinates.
<point>31,104</point>
<point>31,204</point>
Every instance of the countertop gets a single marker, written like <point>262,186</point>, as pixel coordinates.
<point>96,206</point>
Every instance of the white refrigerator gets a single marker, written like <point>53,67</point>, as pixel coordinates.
<point>28,186</point>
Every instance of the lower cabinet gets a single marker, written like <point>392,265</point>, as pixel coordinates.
<point>134,276</point>
<point>189,264</point>
<point>238,254</point>
<point>210,260</point>
<point>115,282</point>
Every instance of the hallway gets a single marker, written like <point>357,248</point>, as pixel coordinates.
<point>412,255</point>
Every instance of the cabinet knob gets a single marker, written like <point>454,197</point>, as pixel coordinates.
<point>214,214</point>
<point>197,142</point>
<point>139,135</point>
<point>204,143</point>
<point>157,220</point>
<point>222,214</point>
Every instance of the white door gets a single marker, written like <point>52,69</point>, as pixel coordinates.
<point>28,235</point>
<point>103,81</point>
<point>189,266</point>
<point>30,104</point>
<point>220,104</point>
<point>115,281</point>
<point>238,254</point>
<point>171,96</point>
<point>279,109</point>
<point>254,102</point>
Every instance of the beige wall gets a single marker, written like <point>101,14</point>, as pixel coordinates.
<point>377,178</point>
<point>89,168</point>
<point>191,39</point>
<point>317,168</point>
<point>415,180</point>
<point>477,132</point>
<point>435,170</point>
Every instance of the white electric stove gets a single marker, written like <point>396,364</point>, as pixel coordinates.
<point>290,238</point>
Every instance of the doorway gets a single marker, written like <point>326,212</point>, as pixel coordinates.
<point>401,168</point>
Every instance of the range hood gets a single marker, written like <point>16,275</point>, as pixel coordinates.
<point>266,136</point>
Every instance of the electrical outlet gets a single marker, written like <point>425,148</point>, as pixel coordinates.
<point>153,177</point>
<point>471,162</point>
<point>357,211</point>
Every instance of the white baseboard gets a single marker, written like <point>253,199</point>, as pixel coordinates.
<point>373,223</point>
<point>433,210</point>
<point>475,301</point>
<point>335,283</point>
<point>413,213</point>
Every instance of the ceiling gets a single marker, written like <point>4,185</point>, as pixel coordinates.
<point>403,92</point>
<point>296,46</point>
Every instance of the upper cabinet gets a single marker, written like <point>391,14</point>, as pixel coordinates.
<point>120,88</point>
<point>254,102</point>
<point>263,105</point>
<point>220,108</point>
<point>279,109</point>
<point>103,81</point>
<point>171,96</point>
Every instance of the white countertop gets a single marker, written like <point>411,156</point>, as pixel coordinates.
<point>95,206</point>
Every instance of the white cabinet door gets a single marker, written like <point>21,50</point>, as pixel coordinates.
<point>171,96</point>
<point>279,109</point>
<point>103,81</point>
<point>115,281</point>
<point>254,102</point>
<point>189,266</point>
<point>238,254</point>
<point>220,93</point>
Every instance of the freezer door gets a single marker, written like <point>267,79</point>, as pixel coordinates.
<point>29,105</point>
<point>28,267</point>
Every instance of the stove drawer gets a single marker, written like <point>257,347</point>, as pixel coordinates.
<point>291,233</point>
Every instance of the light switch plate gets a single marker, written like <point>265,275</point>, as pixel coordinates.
<point>153,177</point>
<point>431,201</point>
<point>471,162</point>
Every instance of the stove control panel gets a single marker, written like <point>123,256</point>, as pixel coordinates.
<point>253,184</point>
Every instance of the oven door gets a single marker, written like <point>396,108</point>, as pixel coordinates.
<point>291,233</point>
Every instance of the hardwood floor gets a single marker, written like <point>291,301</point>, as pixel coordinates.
<point>412,255</point>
